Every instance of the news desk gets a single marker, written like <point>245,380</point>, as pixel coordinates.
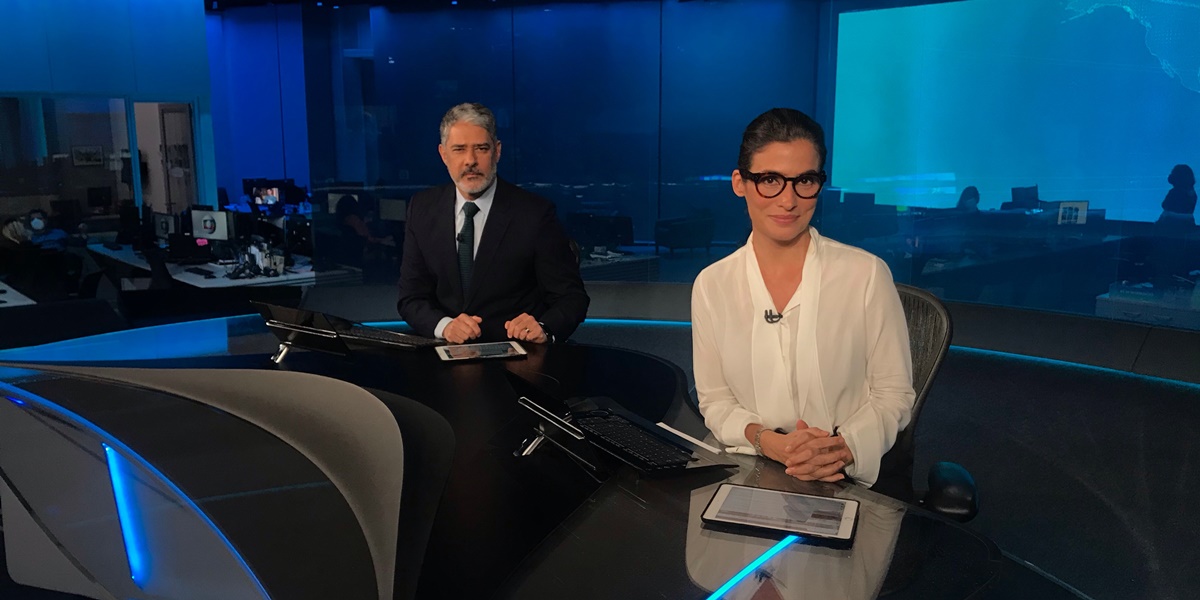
<point>534,526</point>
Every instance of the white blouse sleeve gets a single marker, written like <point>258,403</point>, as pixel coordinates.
<point>871,431</point>
<point>723,414</point>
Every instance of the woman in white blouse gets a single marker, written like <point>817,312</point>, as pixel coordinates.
<point>799,343</point>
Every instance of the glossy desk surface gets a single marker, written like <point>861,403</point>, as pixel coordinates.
<point>541,527</point>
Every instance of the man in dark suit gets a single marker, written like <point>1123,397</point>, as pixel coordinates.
<point>483,259</point>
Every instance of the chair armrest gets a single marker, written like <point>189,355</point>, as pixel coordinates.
<point>952,492</point>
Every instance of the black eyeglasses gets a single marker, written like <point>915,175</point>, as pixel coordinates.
<point>769,185</point>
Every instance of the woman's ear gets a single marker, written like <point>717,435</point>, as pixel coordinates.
<point>739,184</point>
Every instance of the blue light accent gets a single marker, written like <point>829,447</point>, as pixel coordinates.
<point>129,456</point>
<point>453,2</point>
<point>776,549</point>
<point>15,401</point>
<point>639,322</point>
<point>320,4</point>
<point>176,340</point>
<point>1062,364</point>
<point>598,321</point>
<point>129,516</point>
<point>386,324</point>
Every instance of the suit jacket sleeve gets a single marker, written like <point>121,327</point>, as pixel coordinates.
<point>557,271</point>
<point>418,303</point>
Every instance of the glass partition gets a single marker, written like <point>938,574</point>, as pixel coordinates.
<point>1004,152</point>
<point>66,179</point>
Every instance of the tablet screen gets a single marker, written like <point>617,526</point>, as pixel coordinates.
<point>471,351</point>
<point>812,515</point>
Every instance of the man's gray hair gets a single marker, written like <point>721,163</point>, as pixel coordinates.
<point>473,113</point>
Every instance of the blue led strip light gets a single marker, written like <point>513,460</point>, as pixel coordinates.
<point>127,458</point>
<point>776,549</point>
<point>597,321</point>
<point>128,515</point>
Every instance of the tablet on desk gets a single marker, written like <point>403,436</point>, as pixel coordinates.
<point>785,512</point>
<point>507,349</point>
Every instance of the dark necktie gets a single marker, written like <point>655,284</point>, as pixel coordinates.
<point>466,246</point>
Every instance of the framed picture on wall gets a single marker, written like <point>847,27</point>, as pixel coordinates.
<point>87,156</point>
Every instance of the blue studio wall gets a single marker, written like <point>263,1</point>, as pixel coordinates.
<point>1089,99</point>
<point>257,58</point>
<point>140,50</point>
<point>633,108</point>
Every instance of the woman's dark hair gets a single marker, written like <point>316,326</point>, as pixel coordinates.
<point>1181,176</point>
<point>968,192</point>
<point>780,125</point>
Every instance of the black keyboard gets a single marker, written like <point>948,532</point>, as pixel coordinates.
<point>391,338</point>
<point>199,271</point>
<point>623,436</point>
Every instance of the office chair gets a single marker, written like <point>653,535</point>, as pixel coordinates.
<point>951,490</point>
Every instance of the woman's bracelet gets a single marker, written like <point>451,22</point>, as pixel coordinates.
<point>758,438</point>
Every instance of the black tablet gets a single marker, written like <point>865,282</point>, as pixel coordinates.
<point>785,512</point>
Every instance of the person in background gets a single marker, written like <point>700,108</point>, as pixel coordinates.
<point>1180,202</point>
<point>353,222</point>
<point>968,201</point>
<point>35,229</point>
<point>800,344</point>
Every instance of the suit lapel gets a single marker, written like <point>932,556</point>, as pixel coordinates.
<point>489,244</point>
<point>447,242</point>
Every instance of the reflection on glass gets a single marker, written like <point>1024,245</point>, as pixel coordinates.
<point>798,570</point>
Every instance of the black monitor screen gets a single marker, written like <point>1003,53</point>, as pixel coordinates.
<point>1025,197</point>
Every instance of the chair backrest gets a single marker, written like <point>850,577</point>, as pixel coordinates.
<point>929,333</point>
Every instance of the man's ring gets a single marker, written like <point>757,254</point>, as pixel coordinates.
<point>526,330</point>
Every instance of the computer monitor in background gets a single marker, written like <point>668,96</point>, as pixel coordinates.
<point>210,225</point>
<point>858,200</point>
<point>299,235</point>
<point>1024,197</point>
<point>593,231</point>
<point>271,192</point>
<point>391,209</point>
<point>100,198</point>
<point>1072,212</point>
<point>164,225</point>
<point>271,230</point>
<point>244,225</point>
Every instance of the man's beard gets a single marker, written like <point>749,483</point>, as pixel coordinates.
<point>481,186</point>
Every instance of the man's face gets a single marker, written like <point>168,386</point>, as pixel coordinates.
<point>471,157</point>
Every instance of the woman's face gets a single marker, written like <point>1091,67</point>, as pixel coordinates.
<point>783,219</point>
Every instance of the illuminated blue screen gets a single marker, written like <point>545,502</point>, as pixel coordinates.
<point>1088,99</point>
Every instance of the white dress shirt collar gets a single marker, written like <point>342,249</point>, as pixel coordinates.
<point>779,372</point>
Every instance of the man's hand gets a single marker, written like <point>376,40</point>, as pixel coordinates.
<point>463,328</point>
<point>526,328</point>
